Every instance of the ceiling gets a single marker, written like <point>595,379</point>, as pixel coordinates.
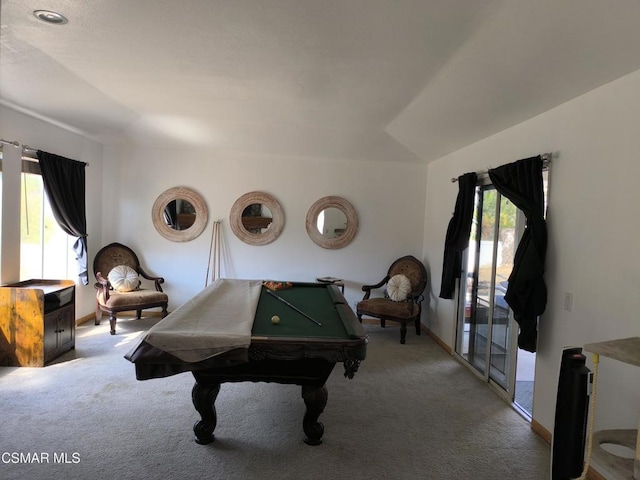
<point>381,80</point>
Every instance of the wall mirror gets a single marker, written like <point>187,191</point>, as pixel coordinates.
<point>332,222</point>
<point>179,214</point>
<point>256,218</point>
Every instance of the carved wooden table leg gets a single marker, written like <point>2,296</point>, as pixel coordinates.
<point>204,398</point>
<point>315,398</point>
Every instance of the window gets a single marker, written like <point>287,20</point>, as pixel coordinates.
<point>44,246</point>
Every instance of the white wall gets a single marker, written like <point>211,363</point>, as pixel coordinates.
<point>389,200</point>
<point>593,230</point>
<point>41,135</point>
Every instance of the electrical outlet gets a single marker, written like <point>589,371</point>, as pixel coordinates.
<point>568,301</point>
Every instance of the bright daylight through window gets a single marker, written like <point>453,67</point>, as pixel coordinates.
<point>44,246</point>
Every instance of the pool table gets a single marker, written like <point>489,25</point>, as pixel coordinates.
<point>296,350</point>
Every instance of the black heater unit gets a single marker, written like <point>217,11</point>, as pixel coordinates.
<point>572,405</point>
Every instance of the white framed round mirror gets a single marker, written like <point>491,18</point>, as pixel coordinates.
<point>256,218</point>
<point>332,222</point>
<point>179,214</point>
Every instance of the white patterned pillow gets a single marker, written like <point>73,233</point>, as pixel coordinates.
<point>398,288</point>
<point>124,278</point>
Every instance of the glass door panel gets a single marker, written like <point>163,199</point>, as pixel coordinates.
<point>503,338</point>
<point>468,345</point>
<point>485,332</point>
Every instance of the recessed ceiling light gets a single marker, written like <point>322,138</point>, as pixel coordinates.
<point>50,17</point>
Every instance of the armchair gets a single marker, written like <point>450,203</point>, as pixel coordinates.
<point>118,289</point>
<point>404,284</point>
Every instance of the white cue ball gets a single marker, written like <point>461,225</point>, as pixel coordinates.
<point>275,319</point>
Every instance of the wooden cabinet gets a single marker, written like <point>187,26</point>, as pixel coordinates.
<point>37,322</point>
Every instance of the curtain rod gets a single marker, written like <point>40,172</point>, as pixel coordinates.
<point>546,160</point>
<point>26,148</point>
<point>7,142</point>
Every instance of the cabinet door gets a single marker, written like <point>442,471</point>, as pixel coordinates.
<point>66,328</point>
<point>59,332</point>
<point>51,335</point>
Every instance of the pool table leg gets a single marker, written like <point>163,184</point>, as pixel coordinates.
<point>204,398</point>
<point>315,398</point>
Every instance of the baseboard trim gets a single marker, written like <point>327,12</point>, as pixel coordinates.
<point>438,340</point>
<point>541,431</point>
<point>594,475</point>
<point>370,321</point>
<point>85,319</point>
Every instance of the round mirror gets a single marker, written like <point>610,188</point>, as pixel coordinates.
<point>332,222</point>
<point>256,218</point>
<point>179,214</point>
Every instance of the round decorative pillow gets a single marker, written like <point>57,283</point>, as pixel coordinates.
<point>398,288</point>
<point>124,278</point>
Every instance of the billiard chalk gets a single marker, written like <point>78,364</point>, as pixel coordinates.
<point>275,319</point>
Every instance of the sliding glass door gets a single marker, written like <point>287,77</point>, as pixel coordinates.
<point>487,333</point>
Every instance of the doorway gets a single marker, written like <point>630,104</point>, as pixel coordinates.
<point>486,330</point>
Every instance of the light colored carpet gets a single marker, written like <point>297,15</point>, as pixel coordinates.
<point>411,412</point>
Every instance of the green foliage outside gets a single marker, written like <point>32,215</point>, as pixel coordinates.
<point>507,213</point>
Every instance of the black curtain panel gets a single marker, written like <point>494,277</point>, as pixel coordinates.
<point>457,238</point>
<point>171,214</point>
<point>64,184</point>
<point>521,182</point>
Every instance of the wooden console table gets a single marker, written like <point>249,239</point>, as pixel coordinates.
<point>37,322</point>
<point>625,350</point>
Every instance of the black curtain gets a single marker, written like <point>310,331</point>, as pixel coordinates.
<point>521,182</point>
<point>457,238</point>
<point>64,184</point>
<point>171,214</point>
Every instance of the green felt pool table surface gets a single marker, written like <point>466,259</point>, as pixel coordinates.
<point>323,303</point>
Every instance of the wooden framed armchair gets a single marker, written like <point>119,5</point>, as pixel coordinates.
<point>119,288</point>
<point>403,294</point>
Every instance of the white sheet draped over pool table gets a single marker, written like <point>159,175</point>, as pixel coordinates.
<point>215,321</point>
